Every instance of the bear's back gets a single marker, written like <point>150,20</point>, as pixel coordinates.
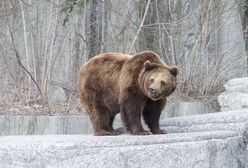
<point>104,65</point>
<point>99,78</point>
<point>102,71</point>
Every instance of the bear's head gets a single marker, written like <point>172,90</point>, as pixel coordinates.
<point>157,80</point>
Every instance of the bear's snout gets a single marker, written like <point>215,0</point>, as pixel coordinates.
<point>153,92</point>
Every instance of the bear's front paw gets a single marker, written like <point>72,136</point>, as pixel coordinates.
<point>143,132</point>
<point>159,131</point>
<point>104,133</point>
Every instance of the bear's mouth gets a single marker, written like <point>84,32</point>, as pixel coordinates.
<point>159,96</point>
<point>155,97</point>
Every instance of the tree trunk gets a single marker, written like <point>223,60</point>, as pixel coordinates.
<point>93,28</point>
<point>149,32</point>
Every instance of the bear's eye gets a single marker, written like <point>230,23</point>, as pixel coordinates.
<point>151,80</point>
<point>163,83</point>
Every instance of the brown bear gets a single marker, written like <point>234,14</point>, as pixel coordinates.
<point>132,85</point>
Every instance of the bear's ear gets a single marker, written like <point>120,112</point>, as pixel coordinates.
<point>174,71</point>
<point>149,65</point>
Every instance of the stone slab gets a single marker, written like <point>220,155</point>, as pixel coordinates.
<point>235,96</point>
<point>216,140</point>
<point>236,82</point>
<point>233,100</point>
<point>236,120</point>
<point>220,149</point>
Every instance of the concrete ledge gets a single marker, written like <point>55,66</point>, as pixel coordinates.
<point>235,95</point>
<point>80,124</point>
<point>199,149</point>
<point>231,120</point>
<point>216,140</point>
<point>44,125</point>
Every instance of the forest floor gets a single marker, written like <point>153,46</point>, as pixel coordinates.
<point>14,101</point>
<point>58,108</point>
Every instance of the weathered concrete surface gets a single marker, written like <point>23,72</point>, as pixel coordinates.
<point>179,109</point>
<point>220,149</point>
<point>80,124</point>
<point>235,96</point>
<point>236,120</point>
<point>44,125</point>
<point>217,140</point>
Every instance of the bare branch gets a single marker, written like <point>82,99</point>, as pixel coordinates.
<point>141,24</point>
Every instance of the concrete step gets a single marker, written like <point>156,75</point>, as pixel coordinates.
<point>236,120</point>
<point>220,149</point>
<point>216,140</point>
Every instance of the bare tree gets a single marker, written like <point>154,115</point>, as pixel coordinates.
<point>94,28</point>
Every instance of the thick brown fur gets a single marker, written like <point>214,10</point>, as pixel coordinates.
<point>112,83</point>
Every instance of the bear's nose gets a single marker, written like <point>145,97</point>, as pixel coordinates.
<point>153,92</point>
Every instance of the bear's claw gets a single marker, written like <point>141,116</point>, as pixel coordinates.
<point>104,133</point>
<point>159,131</point>
<point>145,132</point>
